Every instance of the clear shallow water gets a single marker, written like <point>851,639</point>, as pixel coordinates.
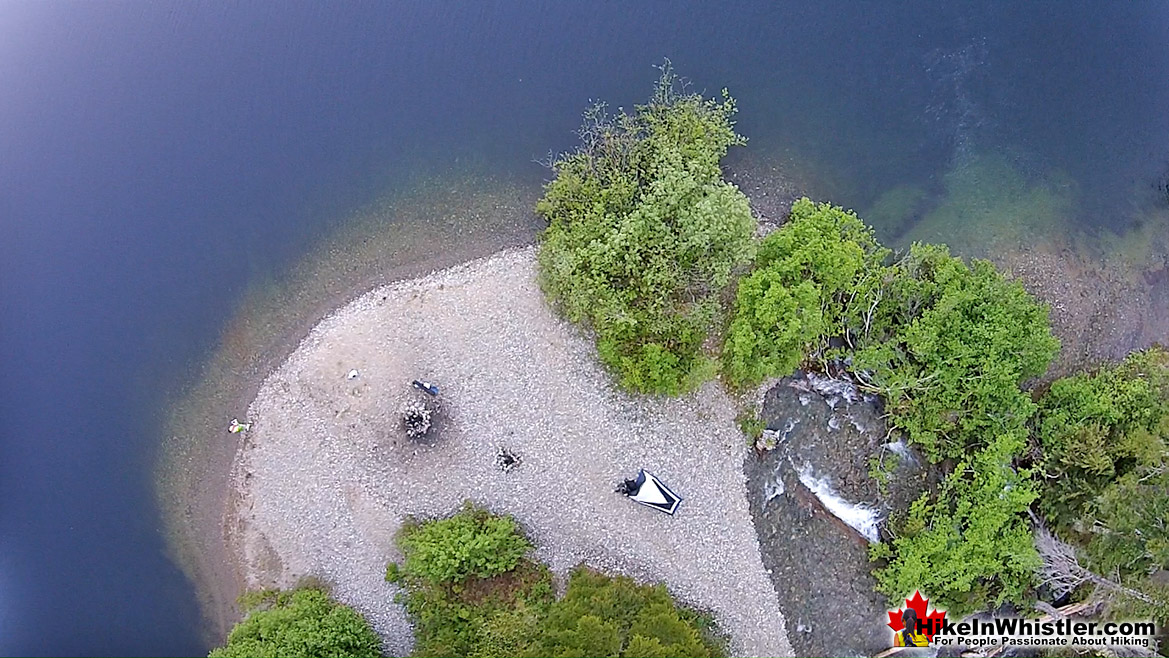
<point>154,159</point>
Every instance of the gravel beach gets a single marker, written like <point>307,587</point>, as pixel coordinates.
<point>326,475</point>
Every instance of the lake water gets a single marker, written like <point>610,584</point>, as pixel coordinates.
<point>156,158</point>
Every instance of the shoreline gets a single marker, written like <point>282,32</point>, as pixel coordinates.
<point>327,475</point>
<point>391,240</point>
<point>195,514</point>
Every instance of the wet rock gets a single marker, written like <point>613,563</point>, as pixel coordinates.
<point>827,436</point>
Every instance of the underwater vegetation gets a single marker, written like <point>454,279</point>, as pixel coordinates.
<point>990,204</point>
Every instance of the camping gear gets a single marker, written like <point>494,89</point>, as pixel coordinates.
<point>649,491</point>
<point>425,387</point>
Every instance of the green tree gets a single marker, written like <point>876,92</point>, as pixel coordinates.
<point>959,341</point>
<point>1105,443</point>
<point>643,233</point>
<point>513,612</point>
<point>806,274</point>
<point>472,543</point>
<point>468,586</point>
<point>969,545</point>
<point>948,346</point>
<point>601,615</point>
<point>1095,429</point>
<point>302,622</point>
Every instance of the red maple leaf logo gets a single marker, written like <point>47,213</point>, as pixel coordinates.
<point>930,623</point>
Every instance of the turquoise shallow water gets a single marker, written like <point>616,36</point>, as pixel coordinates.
<point>159,157</point>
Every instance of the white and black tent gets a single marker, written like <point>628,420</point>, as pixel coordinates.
<point>649,491</point>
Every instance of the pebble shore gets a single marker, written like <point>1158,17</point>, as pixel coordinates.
<point>326,475</point>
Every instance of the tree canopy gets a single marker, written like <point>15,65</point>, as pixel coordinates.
<point>1104,440</point>
<point>643,234</point>
<point>510,609</point>
<point>795,300</point>
<point>601,615</point>
<point>301,622</point>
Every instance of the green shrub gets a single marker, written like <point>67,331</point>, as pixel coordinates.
<point>472,543</point>
<point>479,616</point>
<point>959,342</point>
<point>508,632</point>
<point>969,546</point>
<point>1096,429</point>
<point>462,577</point>
<point>643,233</point>
<point>1105,443</point>
<point>513,612</point>
<point>1129,532</point>
<point>806,273</point>
<point>606,616</point>
<point>949,348</point>
<point>752,426</point>
<point>301,622</point>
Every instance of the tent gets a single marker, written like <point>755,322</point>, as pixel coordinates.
<point>649,491</point>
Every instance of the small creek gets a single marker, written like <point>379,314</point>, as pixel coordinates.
<point>818,472</point>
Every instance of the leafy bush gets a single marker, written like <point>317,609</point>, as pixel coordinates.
<point>508,632</point>
<point>301,622</point>
<point>472,543</point>
<point>605,616</point>
<point>462,577</point>
<point>643,233</point>
<point>1105,443</point>
<point>959,342</point>
<point>1129,532</point>
<point>970,545</point>
<point>794,301</point>
<point>514,612</point>
<point>467,585</point>
<point>1096,429</point>
<point>948,346</point>
<point>495,616</point>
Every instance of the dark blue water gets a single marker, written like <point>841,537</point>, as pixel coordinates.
<point>154,158</point>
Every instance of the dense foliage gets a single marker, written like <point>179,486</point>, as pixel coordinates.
<point>948,349</point>
<point>643,233</point>
<point>1097,429</point>
<point>951,347</point>
<point>468,586</point>
<point>1105,445</point>
<point>513,611</point>
<point>806,274</point>
<point>302,622</point>
<point>969,545</point>
<point>948,346</point>
<point>604,616</point>
<point>472,543</point>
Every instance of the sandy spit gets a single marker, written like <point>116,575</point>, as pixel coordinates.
<point>326,475</point>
